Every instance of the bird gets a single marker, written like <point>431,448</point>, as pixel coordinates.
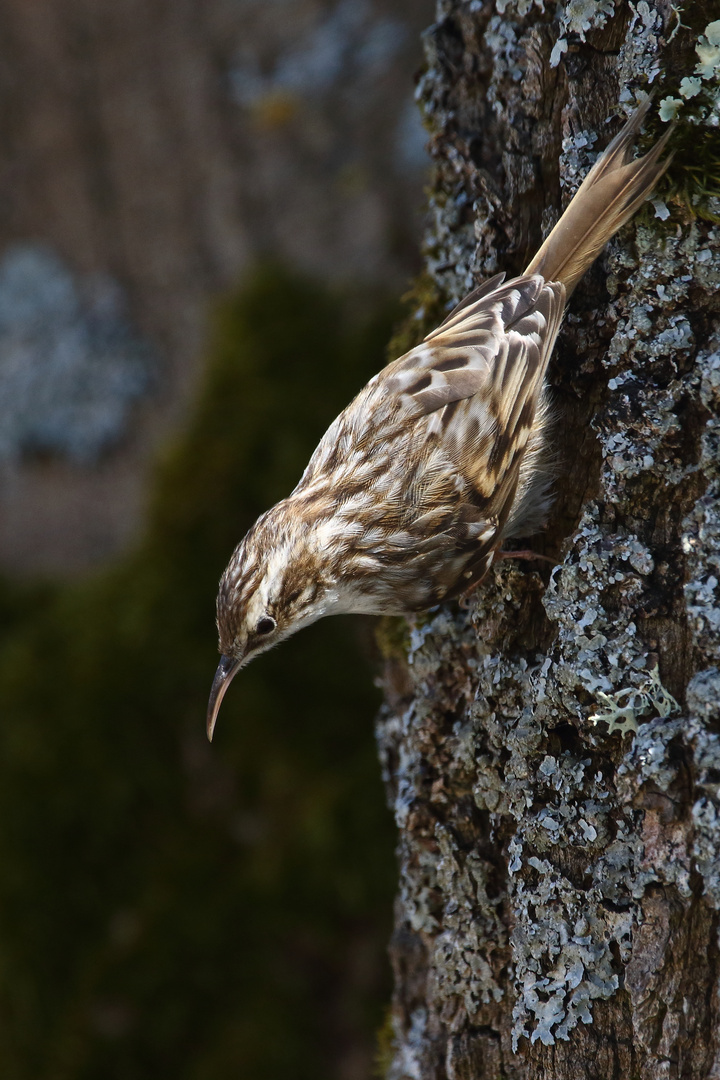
<point>441,458</point>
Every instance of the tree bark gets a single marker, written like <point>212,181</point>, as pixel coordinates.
<point>557,915</point>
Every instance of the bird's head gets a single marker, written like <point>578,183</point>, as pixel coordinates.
<point>270,589</point>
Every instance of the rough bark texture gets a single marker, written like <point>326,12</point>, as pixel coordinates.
<point>559,872</point>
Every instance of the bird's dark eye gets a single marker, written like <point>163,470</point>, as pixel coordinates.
<point>266,625</point>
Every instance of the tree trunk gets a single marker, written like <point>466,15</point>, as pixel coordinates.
<point>552,750</point>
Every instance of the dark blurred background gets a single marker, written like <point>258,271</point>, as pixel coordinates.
<point>206,212</point>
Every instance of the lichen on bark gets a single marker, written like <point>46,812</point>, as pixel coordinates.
<point>552,750</point>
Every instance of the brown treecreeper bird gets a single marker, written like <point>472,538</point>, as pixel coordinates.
<point>413,489</point>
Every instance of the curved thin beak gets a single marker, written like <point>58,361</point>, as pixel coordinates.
<point>223,677</point>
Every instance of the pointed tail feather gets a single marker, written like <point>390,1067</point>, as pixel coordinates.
<point>608,197</point>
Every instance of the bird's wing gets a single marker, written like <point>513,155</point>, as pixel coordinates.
<point>495,344</point>
<point>462,402</point>
<point>473,385</point>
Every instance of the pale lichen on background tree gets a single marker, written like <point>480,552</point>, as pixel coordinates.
<point>559,883</point>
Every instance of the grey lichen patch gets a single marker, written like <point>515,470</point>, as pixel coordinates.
<point>502,38</point>
<point>616,837</point>
<point>443,894</point>
<point>449,245</point>
<point>669,265</point>
<point>449,256</point>
<point>647,777</point>
<point>639,62</point>
<point>577,866</point>
<point>578,156</point>
<point>567,859</point>
<point>647,759</point>
<point>641,431</point>
<point>522,7</point>
<point>651,761</point>
<point>563,935</point>
<point>446,895</point>
<point>591,598</point>
<point>701,527</point>
<point>407,1063</point>
<point>471,928</point>
<point>703,698</point>
<point>562,953</point>
<point>577,17</point>
<point>698,94</point>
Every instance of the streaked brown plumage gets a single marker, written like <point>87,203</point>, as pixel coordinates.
<point>439,459</point>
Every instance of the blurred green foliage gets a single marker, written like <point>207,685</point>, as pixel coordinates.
<point>167,908</point>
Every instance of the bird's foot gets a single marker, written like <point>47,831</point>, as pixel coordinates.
<point>525,554</point>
